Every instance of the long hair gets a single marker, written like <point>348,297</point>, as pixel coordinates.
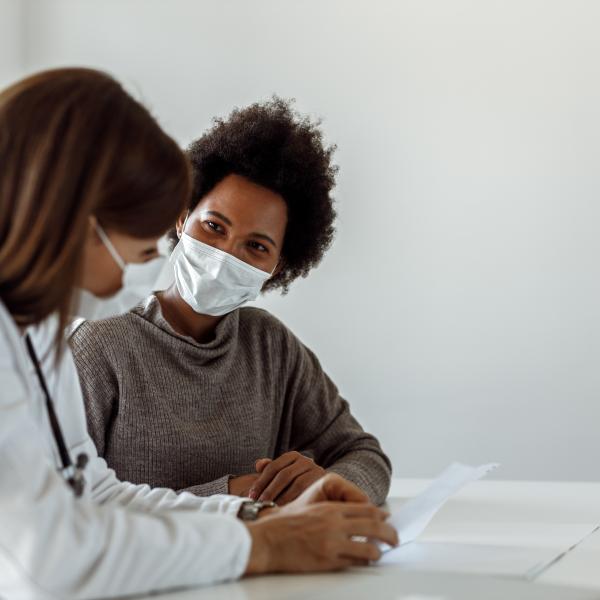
<point>73,143</point>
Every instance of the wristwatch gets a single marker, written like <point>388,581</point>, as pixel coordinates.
<point>250,509</point>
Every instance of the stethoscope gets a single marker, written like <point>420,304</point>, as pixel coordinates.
<point>72,473</point>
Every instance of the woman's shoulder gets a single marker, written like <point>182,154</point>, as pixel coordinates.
<point>260,322</point>
<point>252,316</point>
<point>102,332</point>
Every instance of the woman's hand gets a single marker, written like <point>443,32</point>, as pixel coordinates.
<point>317,531</point>
<point>285,478</point>
<point>240,486</point>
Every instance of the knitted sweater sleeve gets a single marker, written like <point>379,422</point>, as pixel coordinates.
<point>321,426</point>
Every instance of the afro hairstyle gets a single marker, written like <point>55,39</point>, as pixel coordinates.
<point>272,145</point>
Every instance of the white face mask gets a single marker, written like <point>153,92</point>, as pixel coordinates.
<point>211,281</point>
<point>137,283</point>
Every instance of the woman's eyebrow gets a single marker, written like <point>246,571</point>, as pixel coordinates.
<point>263,236</point>
<point>221,216</point>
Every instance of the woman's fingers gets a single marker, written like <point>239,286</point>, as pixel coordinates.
<point>270,471</point>
<point>282,480</point>
<point>297,487</point>
<point>239,486</point>
<point>261,463</point>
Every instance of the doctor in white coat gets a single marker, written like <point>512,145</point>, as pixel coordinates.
<point>82,163</point>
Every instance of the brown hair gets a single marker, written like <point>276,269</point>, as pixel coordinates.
<point>73,143</point>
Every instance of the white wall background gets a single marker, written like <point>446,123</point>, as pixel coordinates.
<point>11,40</point>
<point>459,307</point>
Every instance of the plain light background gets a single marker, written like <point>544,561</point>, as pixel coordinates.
<point>458,310</point>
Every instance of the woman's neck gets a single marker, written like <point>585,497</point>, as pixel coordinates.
<point>183,319</point>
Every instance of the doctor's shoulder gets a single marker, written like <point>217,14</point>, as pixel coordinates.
<point>9,338</point>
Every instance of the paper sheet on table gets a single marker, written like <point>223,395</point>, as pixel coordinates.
<point>414,515</point>
<point>541,534</point>
<point>518,549</point>
<point>526,561</point>
<point>476,559</point>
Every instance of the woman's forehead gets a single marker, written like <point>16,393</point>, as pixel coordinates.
<point>245,205</point>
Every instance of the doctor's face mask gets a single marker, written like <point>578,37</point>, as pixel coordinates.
<point>138,281</point>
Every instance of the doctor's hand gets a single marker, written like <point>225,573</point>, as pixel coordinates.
<point>318,531</point>
<point>330,488</point>
<point>285,478</point>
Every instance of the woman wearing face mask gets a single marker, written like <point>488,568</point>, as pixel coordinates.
<point>190,391</point>
<point>86,175</point>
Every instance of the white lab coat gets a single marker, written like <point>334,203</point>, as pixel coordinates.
<point>118,538</point>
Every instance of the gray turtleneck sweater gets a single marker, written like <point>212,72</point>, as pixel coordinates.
<point>166,410</point>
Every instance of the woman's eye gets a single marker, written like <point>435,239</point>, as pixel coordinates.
<point>214,226</point>
<point>258,246</point>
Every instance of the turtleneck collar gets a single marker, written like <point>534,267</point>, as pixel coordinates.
<point>225,333</point>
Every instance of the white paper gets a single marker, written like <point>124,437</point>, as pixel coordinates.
<point>507,533</point>
<point>414,515</point>
<point>476,559</point>
<point>516,549</point>
<point>505,549</point>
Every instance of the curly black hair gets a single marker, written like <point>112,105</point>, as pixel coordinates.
<point>272,145</point>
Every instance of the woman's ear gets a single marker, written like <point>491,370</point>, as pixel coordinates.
<point>92,231</point>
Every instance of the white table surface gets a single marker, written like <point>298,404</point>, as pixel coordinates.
<point>532,504</point>
<point>508,509</point>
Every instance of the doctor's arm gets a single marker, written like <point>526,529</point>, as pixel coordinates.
<point>105,485</point>
<point>60,546</point>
